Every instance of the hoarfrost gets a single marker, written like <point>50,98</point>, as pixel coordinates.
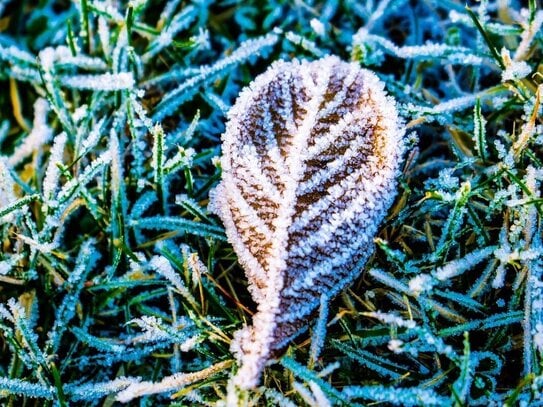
<point>299,141</point>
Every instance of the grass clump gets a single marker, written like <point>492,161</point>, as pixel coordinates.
<point>117,284</point>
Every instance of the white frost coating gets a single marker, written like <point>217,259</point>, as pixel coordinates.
<point>202,39</point>
<point>311,154</point>
<point>514,69</point>
<point>40,134</point>
<point>528,35</point>
<point>7,193</point>
<point>52,56</point>
<point>424,282</point>
<point>449,53</point>
<point>318,27</point>
<point>13,52</point>
<point>457,267</point>
<point>320,398</point>
<point>395,345</point>
<point>51,180</point>
<point>517,70</point>
<point>245,50</point>
<point>103,82</point>
<point>168,384</point>
<point>167,34</point>
<point>420,284</point>
<point>163,267</point>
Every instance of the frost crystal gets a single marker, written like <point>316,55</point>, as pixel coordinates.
<point>318,27</point>
<point>514,70</point>
<point>103,82</point>
<point>41,133</point>
<point>311,154</point>
<point>7,192</point>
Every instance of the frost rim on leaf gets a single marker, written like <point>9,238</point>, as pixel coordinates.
<point>311,154</point>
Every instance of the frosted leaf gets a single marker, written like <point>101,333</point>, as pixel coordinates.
<point>311,154</point>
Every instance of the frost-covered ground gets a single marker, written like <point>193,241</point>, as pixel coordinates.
<point>116,283</point>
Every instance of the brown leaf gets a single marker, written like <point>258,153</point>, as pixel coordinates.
<point>311,154</point>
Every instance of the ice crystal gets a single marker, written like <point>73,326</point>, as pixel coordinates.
<point>104,82</point>
<point>41,133</point>
<point>311,154</point>
<point>514,70</point>
<point>168,384</point>
<point>318,27</point>
<point>7,193</point>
